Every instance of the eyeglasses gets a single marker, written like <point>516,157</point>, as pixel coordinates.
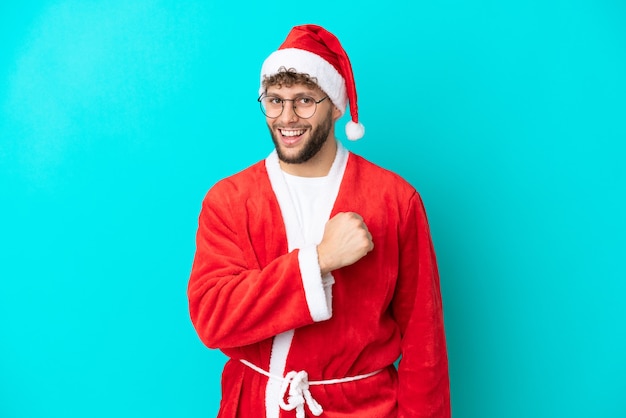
<point>304,106</point>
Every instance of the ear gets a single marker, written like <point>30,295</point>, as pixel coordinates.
<point>336,113</point>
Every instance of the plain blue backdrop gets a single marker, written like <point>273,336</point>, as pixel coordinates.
<point>117,116</point>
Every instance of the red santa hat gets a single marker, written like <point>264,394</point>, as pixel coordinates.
<point>312,50</point>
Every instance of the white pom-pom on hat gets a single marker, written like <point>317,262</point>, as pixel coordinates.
<point>326,61</point>
<point>354,131</point>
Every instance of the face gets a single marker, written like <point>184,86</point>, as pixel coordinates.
<point>298,140</point>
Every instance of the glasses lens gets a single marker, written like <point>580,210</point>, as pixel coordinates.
<point>271,106</point>
<point>304,106</point>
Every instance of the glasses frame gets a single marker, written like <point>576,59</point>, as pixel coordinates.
<point>293,105</point>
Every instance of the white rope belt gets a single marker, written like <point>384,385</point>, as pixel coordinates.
<point>297,383</point>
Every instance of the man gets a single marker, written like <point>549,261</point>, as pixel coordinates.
<point>315,270</point>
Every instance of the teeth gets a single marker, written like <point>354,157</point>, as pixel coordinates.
<point>291,133</point>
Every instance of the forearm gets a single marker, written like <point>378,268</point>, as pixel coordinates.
<point>424,387</point>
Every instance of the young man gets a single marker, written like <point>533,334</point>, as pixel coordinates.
<point>315,270</point>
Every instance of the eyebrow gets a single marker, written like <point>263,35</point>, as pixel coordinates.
<point>297,96</point>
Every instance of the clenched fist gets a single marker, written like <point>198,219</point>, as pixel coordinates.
<point>346,240</point>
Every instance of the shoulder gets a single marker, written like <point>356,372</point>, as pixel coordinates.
<point>373,176</point>
<point>385,191</point>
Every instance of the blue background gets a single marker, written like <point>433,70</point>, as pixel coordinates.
<point>116,117</point>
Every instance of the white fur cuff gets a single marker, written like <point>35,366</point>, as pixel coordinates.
<point>318,290</point>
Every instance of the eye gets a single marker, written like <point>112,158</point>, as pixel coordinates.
<point>305,101</point>
<point>273,101</point>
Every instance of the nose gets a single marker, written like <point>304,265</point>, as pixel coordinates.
<point>289,113</point>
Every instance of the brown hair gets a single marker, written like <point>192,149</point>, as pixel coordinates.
<point>289,77</point>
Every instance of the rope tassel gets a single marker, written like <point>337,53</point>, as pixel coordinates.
<point>297,383</point>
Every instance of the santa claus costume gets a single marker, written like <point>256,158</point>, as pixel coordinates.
<point>302,344</point>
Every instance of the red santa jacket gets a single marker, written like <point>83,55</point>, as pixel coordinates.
<point>246,287</point>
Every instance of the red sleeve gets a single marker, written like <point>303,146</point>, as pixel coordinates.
<point>424,389</point>
<point>233,301</point>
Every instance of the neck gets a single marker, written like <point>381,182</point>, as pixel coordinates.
<point>318,166</point>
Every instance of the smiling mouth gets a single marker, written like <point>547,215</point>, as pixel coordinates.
<point>291,133</point>
<point>290,136</point>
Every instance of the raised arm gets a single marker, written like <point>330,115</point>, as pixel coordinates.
<point>234,301</point>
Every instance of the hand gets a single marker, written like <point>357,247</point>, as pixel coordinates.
<point>346,240</point>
